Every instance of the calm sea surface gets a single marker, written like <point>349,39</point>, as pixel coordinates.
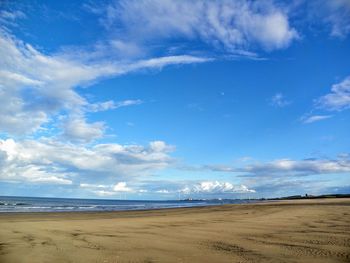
<point>40,204</point>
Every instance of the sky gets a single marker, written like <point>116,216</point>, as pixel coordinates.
<point>160,99</point>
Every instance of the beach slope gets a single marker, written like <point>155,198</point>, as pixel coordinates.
<point>285,231</point>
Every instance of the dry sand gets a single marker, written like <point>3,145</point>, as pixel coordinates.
<point>288,231</point>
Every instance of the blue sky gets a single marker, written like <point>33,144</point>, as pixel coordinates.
<point>160,99</point>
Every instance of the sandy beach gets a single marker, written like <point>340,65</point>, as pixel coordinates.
<point>284,231</point>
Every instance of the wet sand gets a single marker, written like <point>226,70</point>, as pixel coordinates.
<point>286,231</point>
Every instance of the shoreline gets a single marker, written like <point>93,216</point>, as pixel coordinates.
<point>25,205</point>
<point>318,201</point>
<point>121,211</point>
<point>251,202</point>
<point>278,231</point>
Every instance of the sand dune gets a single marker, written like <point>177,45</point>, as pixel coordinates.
<point>288,231</point>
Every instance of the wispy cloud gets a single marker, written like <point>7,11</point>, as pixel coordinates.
<point>287,167</point>
<point>279,100</point>
<point>334,14</point>
<point>235,26</point>
<point>338,99</point>
<point>111,105</point>
<point>315,118</point>
<point>9,17</point>
<point>299,167</point>
<point>37,87</point>
<point>126,103</point>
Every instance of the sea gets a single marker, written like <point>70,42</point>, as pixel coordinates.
<point>46,204</point>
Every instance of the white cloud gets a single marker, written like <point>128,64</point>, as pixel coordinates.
<point>335,13</point>
<point>47,160</point>
<point>216,187</point>
<point>125,103</point>
<point>163,191</point>
<point>170,188</point>
<point>126,49</point>
<point>159,63</point>
<point>111,105</point>
<point>104,193</point>
<point>339,97</point>
<point>340,17</point>
<point>111,190</point>
<point>312,166</point>
<point>279,100</point>
<point>34,86</point>
<point>337,100</point>
<point>122,187</point>
<point>288,167</point>
<point>33,173</point>
<point>331,16</point>
<point>13,170</point>
<point>235,25</point>
<point>76,129</point>
<point>101,106</point>
<point>314,118</point>
<point>8,17</point>
<point>84,185</point>
<point>11,15</point>
<point>160,146</point>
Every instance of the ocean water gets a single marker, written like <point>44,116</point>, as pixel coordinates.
<point>41,204</point>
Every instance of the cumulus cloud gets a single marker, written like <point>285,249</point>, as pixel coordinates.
<point>234,25</point>
<point>122,187</point>
<point>14,167</point>
<point>339,97</point>
<point>37,89</point>
<point>215,187</point>
<point>47,160</point>
<point>34,86</point>
<point>76,129</point>
<point>104,193</point>
<point>160,146</point>
<point>169,188</point>
<point>112,189</point>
